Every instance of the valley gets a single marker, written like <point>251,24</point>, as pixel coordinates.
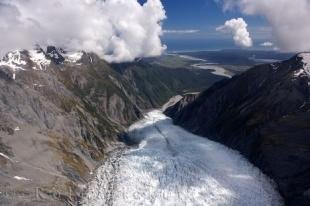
<point>64,136</point>
<point>62,113</point>
<point>154,103</point>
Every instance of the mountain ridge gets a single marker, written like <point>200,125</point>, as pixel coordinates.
<point>264,114</point>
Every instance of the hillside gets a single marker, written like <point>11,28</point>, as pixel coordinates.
<point>263,113</point>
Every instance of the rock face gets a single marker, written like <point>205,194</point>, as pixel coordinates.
<point>61,113</point>
<point>157,84</point>
<point>265,114</point>
<point>176,104</point>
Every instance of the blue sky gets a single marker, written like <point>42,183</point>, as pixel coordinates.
<point>205,16</point>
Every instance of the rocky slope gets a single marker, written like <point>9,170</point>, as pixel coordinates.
<point>157,84</point>
<point>265,114</point>
<point>61,113</point>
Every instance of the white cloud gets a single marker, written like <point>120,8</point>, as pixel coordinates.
<point>289,19</point>
<point>238,28</point>
<point>267,44</point>
<point>117,30</point>
<point>188,31</point>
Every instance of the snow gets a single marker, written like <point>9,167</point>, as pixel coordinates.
<point>54,55</point>
<point>38,85</point>
<point>217,70</point>
<point>73,57</point>
<point>6,157</point>
<point>275,66</point>
<point>174,167</point>
<point>38,57</point>
<point>299,72</point>
<point>14,61</point>
<point>21,178</point>
<point>306,67</point>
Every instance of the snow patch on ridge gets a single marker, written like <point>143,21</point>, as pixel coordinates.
<point>306,67</point>
<point>14,61</point>
<point>174,167</point>
<point>19,60</point>
<point>6,157</point>
<point>21,178</point>
<point>39,58</point>
<point>73,57</point>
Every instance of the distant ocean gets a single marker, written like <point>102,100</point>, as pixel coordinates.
<point>178,45</point>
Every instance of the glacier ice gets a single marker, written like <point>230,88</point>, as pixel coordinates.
<point>171,166</point>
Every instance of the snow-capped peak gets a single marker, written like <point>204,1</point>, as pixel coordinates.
<point>60,56</point>
<point>305,70</point>
<point>55,54</point>
<point>14,61</point>
<point>38,59</point>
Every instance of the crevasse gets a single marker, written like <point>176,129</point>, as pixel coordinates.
<point>174,167</point>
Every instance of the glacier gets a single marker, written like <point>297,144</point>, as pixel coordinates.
<point>171,166</point>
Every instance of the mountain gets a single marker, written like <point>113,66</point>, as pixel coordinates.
<point>265,114</point>
<point>158,84</point>
<point>62,112</point>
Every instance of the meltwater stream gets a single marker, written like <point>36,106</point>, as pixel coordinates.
<point>174,167</point>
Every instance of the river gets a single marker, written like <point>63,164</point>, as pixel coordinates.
<point>215,69</point>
